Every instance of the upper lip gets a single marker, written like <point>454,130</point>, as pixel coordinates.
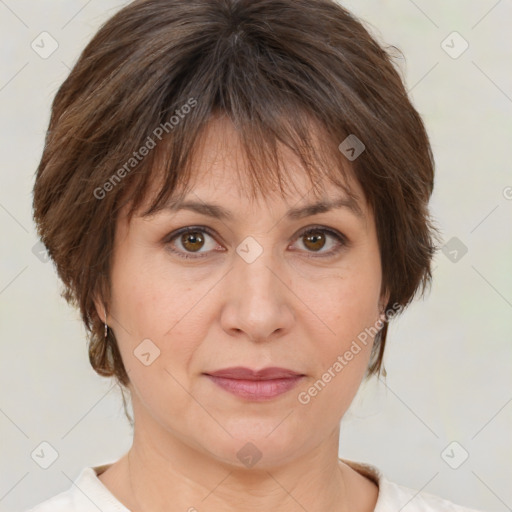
<point>243,373</point>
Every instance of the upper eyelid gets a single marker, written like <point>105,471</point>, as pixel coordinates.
<point>212,232</point>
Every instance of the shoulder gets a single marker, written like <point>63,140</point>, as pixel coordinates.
<point>87,494</point>
<point>395,497</point>
<point>406,499</point>
<point>59,503</point>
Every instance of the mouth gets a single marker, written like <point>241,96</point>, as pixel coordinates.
<point>255,385</point>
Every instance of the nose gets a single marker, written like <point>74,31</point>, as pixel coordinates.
<point>258,299</point>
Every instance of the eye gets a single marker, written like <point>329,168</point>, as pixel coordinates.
<point>316,238</point>
<point>192,239</point>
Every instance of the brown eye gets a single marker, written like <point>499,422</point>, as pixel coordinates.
<point>192,241</point>
<point>314,240</point>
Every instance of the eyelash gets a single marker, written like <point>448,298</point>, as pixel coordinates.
<point>341,239</point>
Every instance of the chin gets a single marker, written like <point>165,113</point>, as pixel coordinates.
<point>257,445</point>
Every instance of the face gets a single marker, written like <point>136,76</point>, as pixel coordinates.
<point>253,290</point>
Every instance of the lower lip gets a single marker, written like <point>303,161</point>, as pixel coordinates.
<point>257,390</point>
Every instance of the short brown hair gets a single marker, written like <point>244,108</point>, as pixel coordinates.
<point>160,69</point>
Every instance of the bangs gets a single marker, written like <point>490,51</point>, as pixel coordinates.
<point>170,170</point>
<point>273,93</point>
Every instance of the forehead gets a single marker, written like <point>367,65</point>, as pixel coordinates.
<point>220,168</point>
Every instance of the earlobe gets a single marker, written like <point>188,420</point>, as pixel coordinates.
<point>100,310</point>
<point>383,302</point>
<point>382,308</point>
<point>103,317</point>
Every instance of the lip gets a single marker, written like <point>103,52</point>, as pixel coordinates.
<point>244,373</point>
<point>255,385</point>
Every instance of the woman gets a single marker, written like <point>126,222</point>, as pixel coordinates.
<point>235,194</point>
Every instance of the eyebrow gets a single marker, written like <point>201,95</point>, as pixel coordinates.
<point>219,212</point>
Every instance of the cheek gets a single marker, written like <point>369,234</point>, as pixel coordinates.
<point>150,297</point>
<point>151,312</point>
<point>346,300</point>
<point>346,304</point>
<point>348,310</point>
<point>160,333</point>
<point>155,301</point>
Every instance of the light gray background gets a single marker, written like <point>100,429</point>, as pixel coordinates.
<point>448,359</point>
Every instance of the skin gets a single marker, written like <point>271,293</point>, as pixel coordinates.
<point>289,308</point>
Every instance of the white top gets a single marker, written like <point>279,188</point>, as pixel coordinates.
<point>88,494</point>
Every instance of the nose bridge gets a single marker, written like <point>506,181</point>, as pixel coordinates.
<point>255,259</point>
<point>258,302</point>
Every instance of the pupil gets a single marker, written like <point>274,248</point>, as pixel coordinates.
<point>191,239</point>
<point>314,239</point>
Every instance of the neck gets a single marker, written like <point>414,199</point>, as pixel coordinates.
<point>159,475</point>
